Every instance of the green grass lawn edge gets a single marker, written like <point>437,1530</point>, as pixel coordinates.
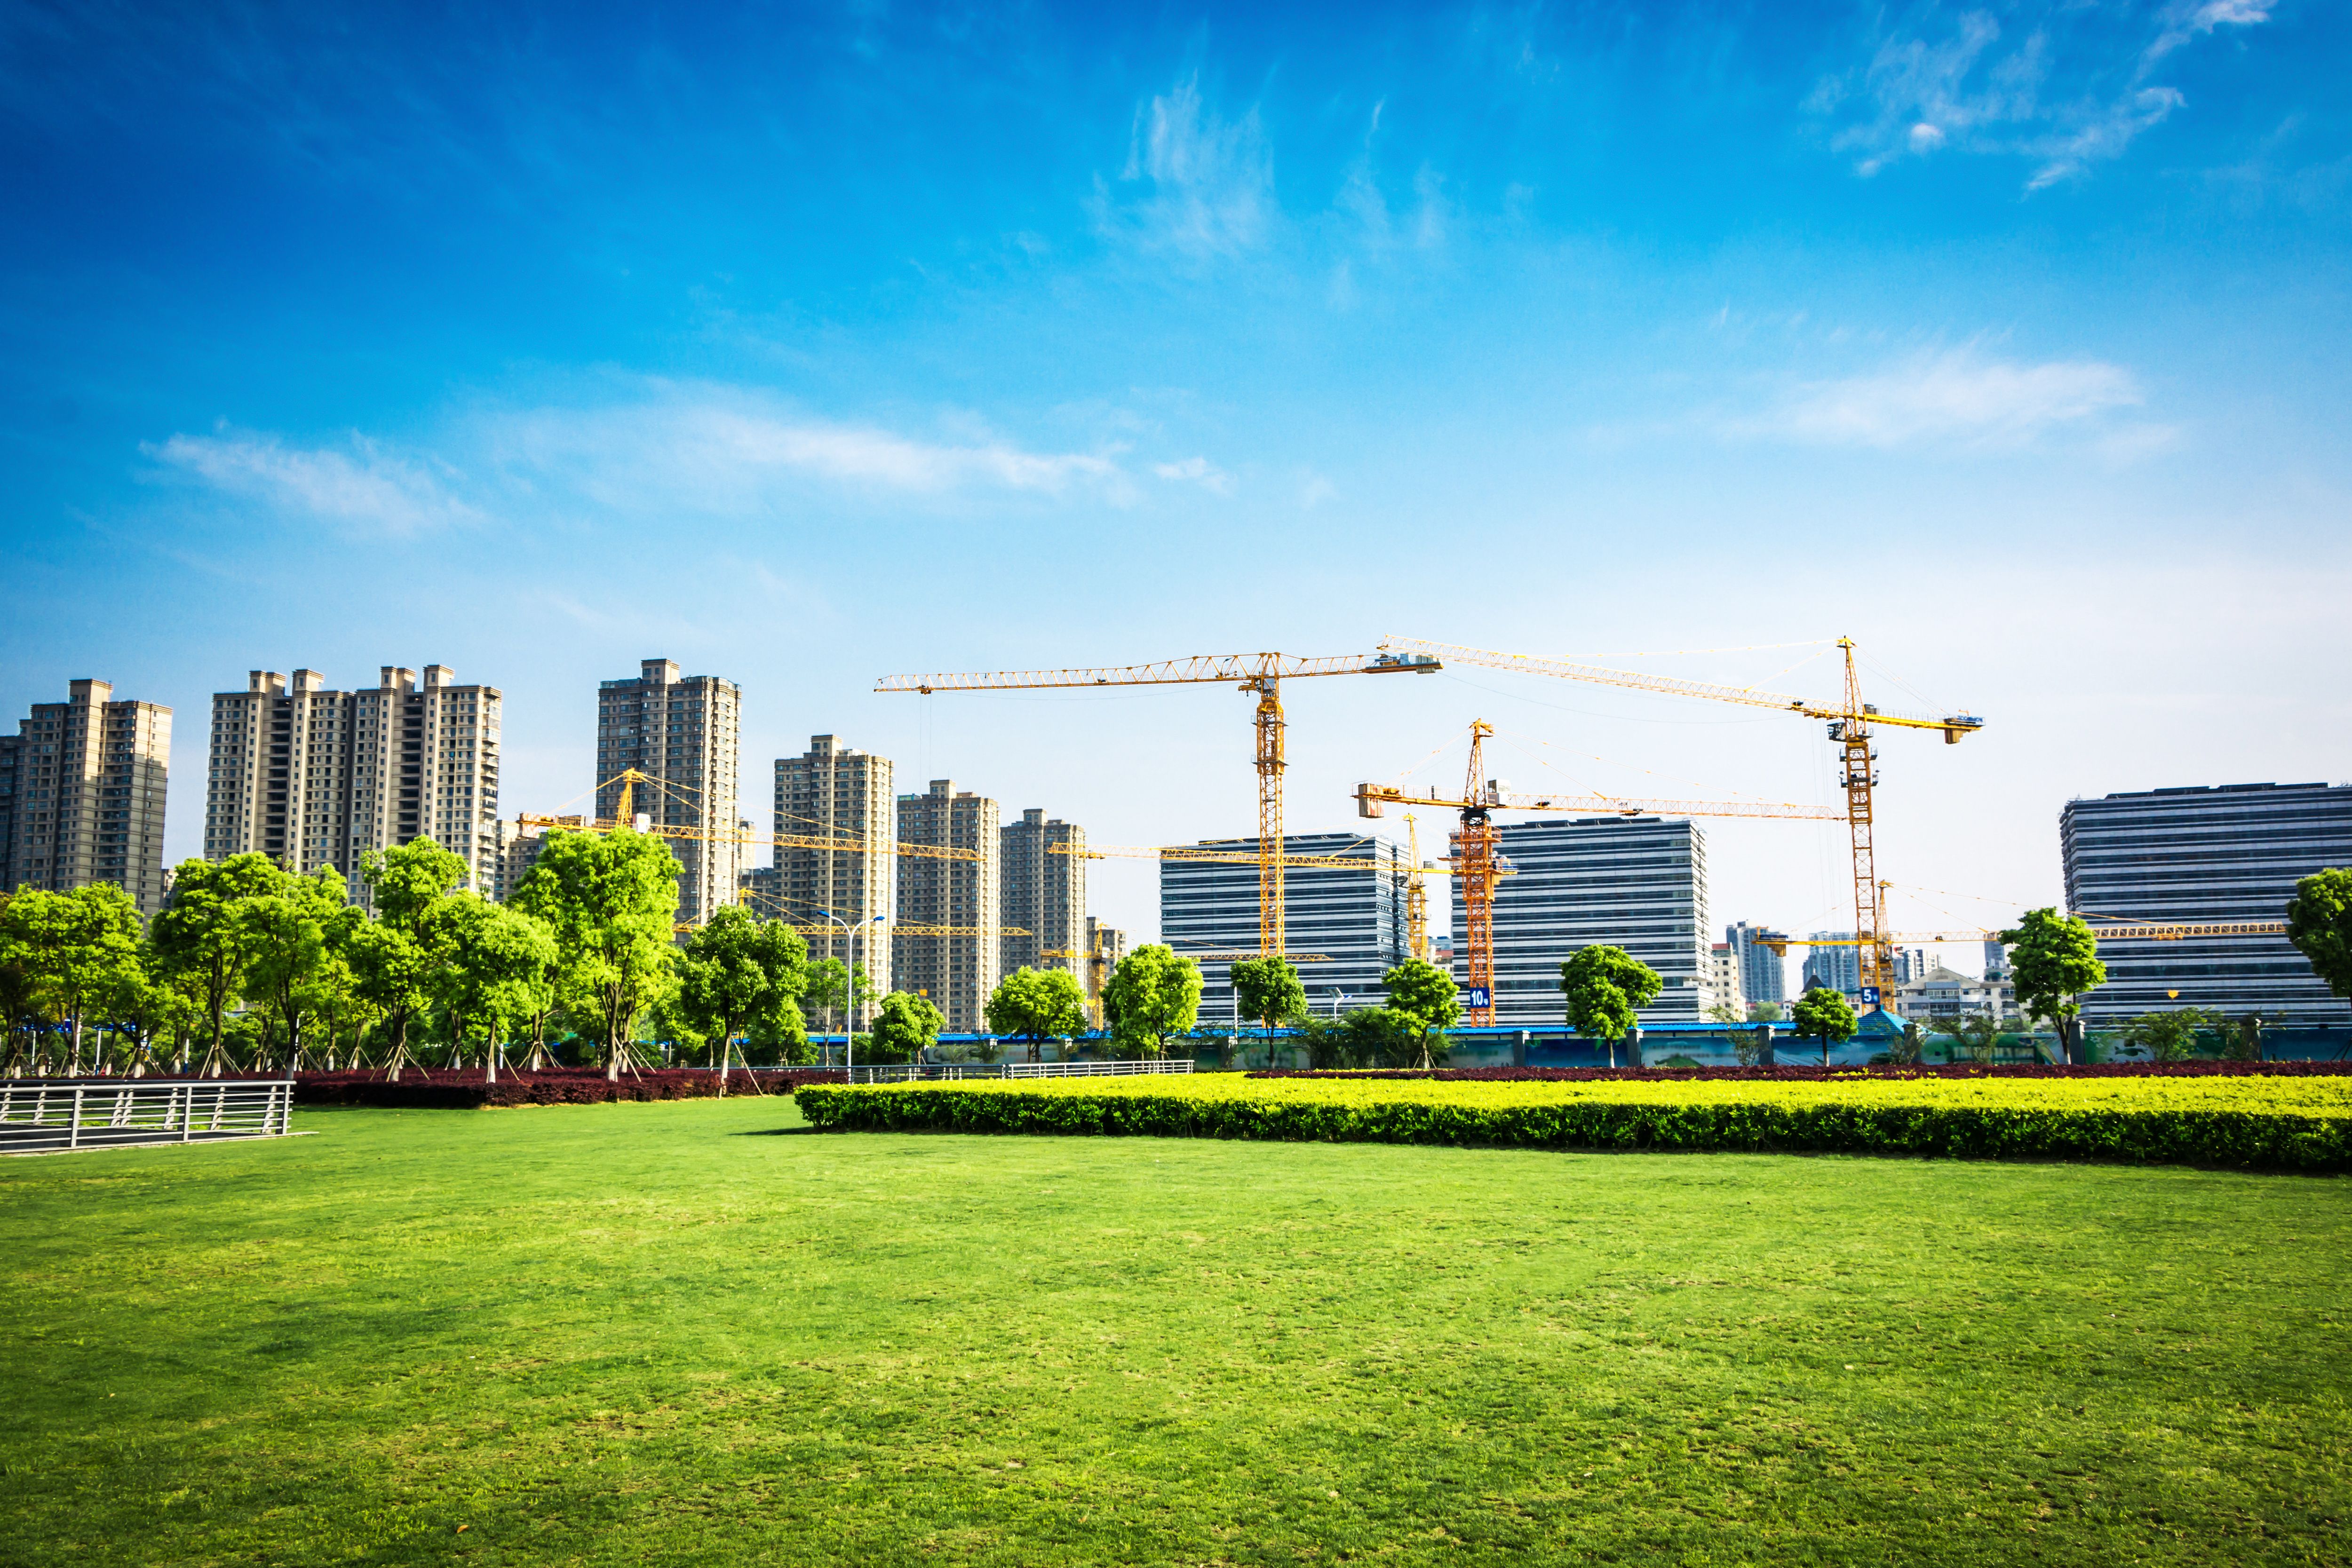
<point>2265,1141</point>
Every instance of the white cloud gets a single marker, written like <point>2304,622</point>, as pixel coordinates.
<point>363,486</point>
<point>1955,396</point>
<point>1197,471</point>
<point>2068,91</point>
<point>702,448</point>
<point>1204,185</point>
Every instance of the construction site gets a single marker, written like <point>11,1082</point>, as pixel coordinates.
<point>933,892</point>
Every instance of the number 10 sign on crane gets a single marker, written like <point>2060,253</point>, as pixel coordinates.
<point>1262,673</point>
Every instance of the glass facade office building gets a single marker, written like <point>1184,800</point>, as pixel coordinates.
<point>1354,918</point>
<point>2204,855</point>
<point>1638,882</point>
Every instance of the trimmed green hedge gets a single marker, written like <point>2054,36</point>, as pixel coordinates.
<point>2251,1140</point>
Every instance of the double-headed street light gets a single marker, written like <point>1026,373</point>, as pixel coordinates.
<point>850,940</point>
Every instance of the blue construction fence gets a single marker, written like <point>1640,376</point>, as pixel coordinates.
<point>1666,1045</point>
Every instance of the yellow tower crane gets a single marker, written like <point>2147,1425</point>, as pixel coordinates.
<point>1852,723</point>
<point>1479,865</point>
<point>1260,675</point>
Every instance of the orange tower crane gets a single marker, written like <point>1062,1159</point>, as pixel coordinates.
<point>1852,723</point>
<point>1479,865</point>
<point>1260,675</point>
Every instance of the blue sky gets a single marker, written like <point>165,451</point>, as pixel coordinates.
<point>804,345</point>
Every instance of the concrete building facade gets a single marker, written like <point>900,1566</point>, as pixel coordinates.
<point>839,794</point>
<point>682,732</point>
<point>1355,919</point>
<point>1838,968</point>
<point>82,787</point>
<point>2201,855</point>
<point>1043,865</point>
<point>1723,985</point>
<point>1937,992</point>
<point>1639,884</point>
<point>315,778</point>
<point>1763,971</point>
<point>957,967</point>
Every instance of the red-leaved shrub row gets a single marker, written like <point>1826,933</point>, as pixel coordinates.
<point>1817,1073</point>
<point>443,1090</point>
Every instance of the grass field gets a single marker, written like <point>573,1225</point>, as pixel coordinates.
<point>660,1334</point>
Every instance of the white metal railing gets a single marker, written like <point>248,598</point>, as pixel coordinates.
<point>950,1071</point>
<point>41,1115</point>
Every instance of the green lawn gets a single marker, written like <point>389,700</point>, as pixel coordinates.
<point>659,1334</point>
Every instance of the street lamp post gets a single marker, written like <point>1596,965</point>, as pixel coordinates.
<point>849,981</point>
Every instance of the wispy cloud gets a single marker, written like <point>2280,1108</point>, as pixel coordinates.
<point>1955,396</point>
<point>1196,471</point>
<point>2066,87</point>
<point>1195,184</point>
<point>710,449</point>
<point>358,485</point>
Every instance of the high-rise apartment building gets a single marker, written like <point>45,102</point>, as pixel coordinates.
<point>2200,856</point>
<point>1639,884</point>
<point>1996,959</point>
<point>1763,970</point>
<point>313,778</point>
<point>1044,867</point>
<point>1838,968</point>
<point>956,967</point>
<point>1723,986</point>
<point>840,795</point>
<point>82,795</point>
<point>1354,919</point>
<point>681,731</point>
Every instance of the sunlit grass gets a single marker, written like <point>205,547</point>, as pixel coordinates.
<point>654,1333</point>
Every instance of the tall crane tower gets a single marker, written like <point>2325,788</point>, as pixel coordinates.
<point>1260,675</point>
<point>1852,722</point>
<point>1479,865</point>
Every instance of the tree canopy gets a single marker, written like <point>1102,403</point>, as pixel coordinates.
<point>904,1025</point>
<point>1606,987</point>
<point>1826,1014</point>
<point>1268,989</point>
<point>737,974</point>
<point>2319,922</point>
<point>1425,996</point>
<point>612,902</point>
<point>2054,959</point>
<point>2170,1035</point>
<point>1034,1004</point>
<point>1154,993</point>
<point>205,936</point>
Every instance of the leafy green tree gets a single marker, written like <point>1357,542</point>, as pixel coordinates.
<point>612,902</point>
<point>490,969</point>
<point>1426,999</point>
<point>78,945</point>
<point>1606,988</point>
<point>203,934</point>
<point>2170,1035</point>
<point>1154,993</point>
<point>1827,1015</point>
<point>2054,959</point>
<point>737,973</point>
<point>904,1025</point>
<point>1765,1012</point>
<point>406,882</point>
<point>2319,921</point>
<point>1268,989</point>
<point>394,969</point>
<point>1036,1005</point>
<point>298,933</point>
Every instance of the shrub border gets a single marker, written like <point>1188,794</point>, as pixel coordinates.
<point>2231,1139</point>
